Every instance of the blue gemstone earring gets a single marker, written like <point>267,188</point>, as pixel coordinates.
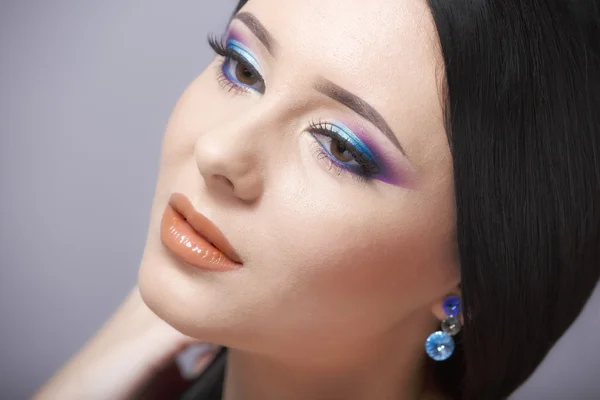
<point>440,345</point>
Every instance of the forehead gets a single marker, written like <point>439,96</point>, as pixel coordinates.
<point>385,51</point>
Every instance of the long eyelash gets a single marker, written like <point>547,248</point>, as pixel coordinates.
<point>219,46</point>
<point>334,166</point>
<point>227,84</point>
<point>367,167</point>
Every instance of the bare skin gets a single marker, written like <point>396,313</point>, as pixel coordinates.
<point>342,278</point>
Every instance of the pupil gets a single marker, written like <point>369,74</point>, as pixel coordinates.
<point>338,151</point>
<point>244,74</point>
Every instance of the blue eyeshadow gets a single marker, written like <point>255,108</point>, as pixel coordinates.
<point>243,51</point>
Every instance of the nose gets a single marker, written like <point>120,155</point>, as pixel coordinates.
<point>229,157</point>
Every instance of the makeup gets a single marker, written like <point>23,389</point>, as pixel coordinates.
<point>370,161</point>
<point>238,47</point>
<point>193,239</point>
<point>240,69</point>
<point>235,35</point>
<point>389,172</point>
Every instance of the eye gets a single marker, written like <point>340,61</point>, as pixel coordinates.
<point>239,69</point>
<point>343,149</point>
<point>336,147</point>
<point>239,72</point>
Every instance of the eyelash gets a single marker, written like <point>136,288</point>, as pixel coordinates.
<point>366,169</point>
<point>219,46</point>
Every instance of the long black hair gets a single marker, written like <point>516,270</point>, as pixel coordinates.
<point>522,96</point>
<point>522,82</point>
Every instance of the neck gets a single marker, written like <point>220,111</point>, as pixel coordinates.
<point>391,366</point>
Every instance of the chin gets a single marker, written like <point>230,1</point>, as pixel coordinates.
<point>174,294</point>
<point>190,300</point>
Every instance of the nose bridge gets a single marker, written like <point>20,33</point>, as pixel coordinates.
<point>237,139</point>
<point>230,154</point>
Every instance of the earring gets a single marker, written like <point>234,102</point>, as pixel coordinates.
<point>440,345</point>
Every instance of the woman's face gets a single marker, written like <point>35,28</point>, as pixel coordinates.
<point>318,148</point>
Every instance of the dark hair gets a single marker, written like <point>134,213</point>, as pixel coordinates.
<point>522,88</point>
<point>523,120</point>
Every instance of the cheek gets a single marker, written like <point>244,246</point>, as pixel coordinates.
<point>200,106</point>
<point>347,261</point>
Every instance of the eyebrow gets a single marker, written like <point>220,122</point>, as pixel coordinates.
<point>257,29</point>
<point>359,106</point>
<point>323,85</point>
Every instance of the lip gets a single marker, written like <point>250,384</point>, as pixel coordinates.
<point>195,239</point>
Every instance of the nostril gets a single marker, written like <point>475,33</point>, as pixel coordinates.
<point>224,180</point>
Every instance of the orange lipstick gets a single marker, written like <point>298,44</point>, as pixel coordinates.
<point>194,239</point>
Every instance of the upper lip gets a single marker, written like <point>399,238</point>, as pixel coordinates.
<point>204,226</point>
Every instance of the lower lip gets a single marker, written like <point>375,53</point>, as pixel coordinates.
<point>190,247</point>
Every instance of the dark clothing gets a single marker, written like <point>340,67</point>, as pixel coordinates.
<point>209,385</point>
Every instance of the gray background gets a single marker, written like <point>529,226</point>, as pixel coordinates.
<point>86,89</point>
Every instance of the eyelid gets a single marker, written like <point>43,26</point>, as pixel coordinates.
<point>351,138</point>
<point>368,165</point>
<point>244,52</point>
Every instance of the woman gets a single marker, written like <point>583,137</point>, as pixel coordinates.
<point>369,200</point>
